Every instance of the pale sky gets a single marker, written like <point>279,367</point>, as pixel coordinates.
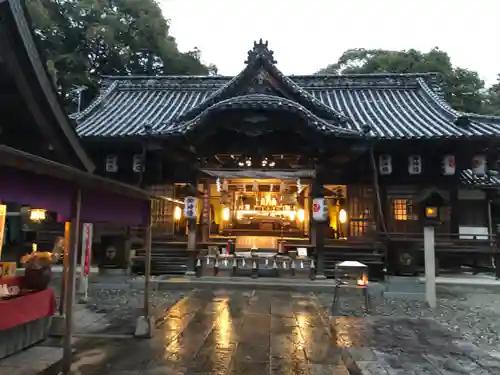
<point>308,35</point>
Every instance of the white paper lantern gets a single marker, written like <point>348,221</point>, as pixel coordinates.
<point>320,209</point>
<point>414,164</point>
<point>449,165</point>
<point>137,163</point>
<point>190,207</point>
<point>111,163</point>
<point>479,165</point>
<point>385,164</point>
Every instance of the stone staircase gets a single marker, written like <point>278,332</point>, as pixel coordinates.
<point>167,258</point>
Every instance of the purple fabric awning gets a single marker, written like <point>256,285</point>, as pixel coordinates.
<point>38,191</point>
<point>55,195</point>
<point>99,206</point>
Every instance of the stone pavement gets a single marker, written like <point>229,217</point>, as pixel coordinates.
<point>278,333</point>
<point>32,361</point>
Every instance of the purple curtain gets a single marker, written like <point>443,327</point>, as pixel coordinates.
<point>55,195</point>
<point>99,206</point>
<point>35,190</point>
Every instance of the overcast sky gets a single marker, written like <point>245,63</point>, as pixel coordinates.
<point>308,35</point>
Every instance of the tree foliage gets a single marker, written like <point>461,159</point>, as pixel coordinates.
<point>492,103</point>
<point>464,90</point>
<point>84,39</point>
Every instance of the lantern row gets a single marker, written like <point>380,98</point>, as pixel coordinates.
<point>415,165</point>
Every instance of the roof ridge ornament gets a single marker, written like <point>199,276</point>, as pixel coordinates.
<point>260,51</point>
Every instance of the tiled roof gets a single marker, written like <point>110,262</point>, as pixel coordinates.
<point>259,102</point>
<point>392,106</point>
<point>490,180</point>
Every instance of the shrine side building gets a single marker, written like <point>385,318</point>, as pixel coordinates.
<point>258,147</point>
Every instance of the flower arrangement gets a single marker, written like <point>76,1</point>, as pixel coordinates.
<point>37,259</point>
<point>37,269</point>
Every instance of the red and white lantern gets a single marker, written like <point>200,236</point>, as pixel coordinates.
<point>479,165</point>
<point>449,165</point>
<point>319,209</point>
<point>385,164</point>
<point>414,164</point>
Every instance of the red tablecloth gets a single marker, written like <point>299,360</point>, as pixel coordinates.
<point>25,308</point>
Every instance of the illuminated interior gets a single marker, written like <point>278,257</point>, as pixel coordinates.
<point>260,207</point>
<point>273,208</point>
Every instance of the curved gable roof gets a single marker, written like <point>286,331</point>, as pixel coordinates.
<point>392,106</point>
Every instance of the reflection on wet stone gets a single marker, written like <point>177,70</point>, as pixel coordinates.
<point>280,333</point>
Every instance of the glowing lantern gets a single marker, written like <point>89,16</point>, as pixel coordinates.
<point>225,214</point>
<point>177,213</point>
<point>37,214</point>
<point>342,216</point>
<point>301,215</point>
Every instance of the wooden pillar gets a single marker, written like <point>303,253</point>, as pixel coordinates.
<point>69,290</point>
<point>147,263</point>
<point>191,242</point>
<point>205,218</point>
<point>454,210</point>
<point>318,230</point>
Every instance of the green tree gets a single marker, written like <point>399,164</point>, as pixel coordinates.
<point>493,99</point>
<point>85,39</point>
<point>463,88</point>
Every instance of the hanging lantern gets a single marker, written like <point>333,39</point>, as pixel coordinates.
<point>255,187</point>
<point>138,163</point>
<point>224,198</point>
<point>288,199</point>
<point>111,163</point>
<point>385,164</point>
<point>479,165</point>
<point>37,214</point>
<point>225,185</point>
<point>414,164</point>
<point>299,186</point>
<point>282,187</point>
<point>449,165</point>
<point>217,185</point>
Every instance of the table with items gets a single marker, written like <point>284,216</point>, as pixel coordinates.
<point>255,264</point>
<point>24,315</point>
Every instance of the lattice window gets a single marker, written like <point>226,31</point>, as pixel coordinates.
<point>402,210</point>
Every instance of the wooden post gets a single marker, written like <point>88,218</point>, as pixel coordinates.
<point>318,230</point>
<point>191,241</point>
<point>147,263</point>
<point>430,266</point>
<point>69,290</point>
<point>205,218</point>
<point>64,275</point>
<point>145,325</point>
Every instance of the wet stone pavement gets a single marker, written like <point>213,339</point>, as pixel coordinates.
<point>265,332</point>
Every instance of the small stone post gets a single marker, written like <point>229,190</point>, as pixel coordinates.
<point>430,266</point>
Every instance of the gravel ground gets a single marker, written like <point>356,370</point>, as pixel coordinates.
<point>474,316</point>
